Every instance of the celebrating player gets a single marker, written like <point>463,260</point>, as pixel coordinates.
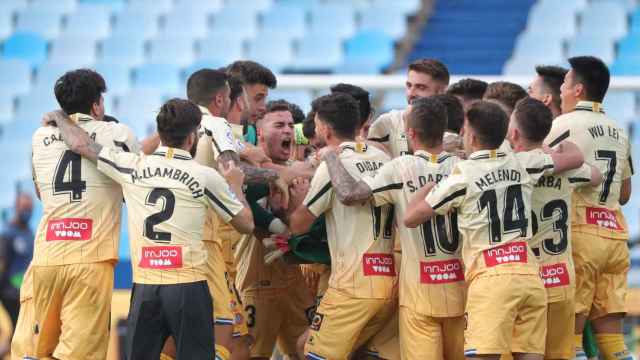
<point>468,91</point>
<point>546,87</point>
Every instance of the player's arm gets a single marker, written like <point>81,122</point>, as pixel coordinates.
<point>349,191</point>
<point>315,203</point>
<point>379,132</point>
<point>75,137</point>
<point>236,210</point>
<point>418,210</point>
<point>438,199</point>
<point>149,144</point>
<point>566,156</point>
<point>627,172</point>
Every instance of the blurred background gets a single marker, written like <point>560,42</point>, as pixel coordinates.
<point>146,49</point>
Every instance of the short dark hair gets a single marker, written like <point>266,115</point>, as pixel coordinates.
<point>455,111</point>
<point>428,117</point>
<point>436,69</point>
<point>284,105</point>
<point>297,113</point>
<point>339,111</point>
<point>309,126</point>
<point>235,87</point>
<point>489,123</point>
<point>507,93</point>
<point>468,89</point>
<point>203,85</point>
<point>176,120</point>
<point>361,95</point>
<point>593,74</point>
<point>534,119</point>
<point>552,77</point>
<point>250,73</point>
<point>77,90</point>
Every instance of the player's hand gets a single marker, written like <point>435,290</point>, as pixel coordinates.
<point>298,169</point>
<point>50,118</point>
<point>254,155</point>
<point>299,190</point>
<point>233,174</point>
<point>282,188</point>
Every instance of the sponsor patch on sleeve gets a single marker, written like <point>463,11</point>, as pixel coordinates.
<point>69,229</point>
<point>161,257</point>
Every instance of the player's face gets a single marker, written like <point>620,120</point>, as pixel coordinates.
<point>98,109</point>
<point>421,85</point>
<point>257,101</point>
<point>568,92</point>
<point>276,132</point>
<point>224,101</point>
<point>537,89</point>
<point>467,138</point>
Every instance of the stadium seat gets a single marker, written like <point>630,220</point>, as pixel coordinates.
<point>302,98</point>
<point>113,5</point>
<point>39,21</point>
<point>338,21</point>
<point>15,77</point>
<point>317,53</point>
<point>7,107</point>
<point>625,66</point>
<point>555,17</point>
<point>367,52</point>
<point>138,109</point>
<point>155,7</point>
<point>136,25</point>
<point>10,7</point>
<point>6,24</point>
<point>57,7</point>
<point>629,47</point>
<point>274,50</point>
<point>206,6</point>
<point>46,76</point>
<point>302,4</point>
<point>282,18</point>
<point>157,76</point>
<point>120,49</point>
<point>222,48</point>
<point>386,19</point>
<point>407,7</point>
<point>172,49</point>
<point>73,51</point>
<point>202,64</point>
<point>620,105</point>
<point>235,21</point>
<point>94,17</point>
<point>250,7</point>
<point>116,76</point>
<point>26,46</point>
<point>539,45</point>
<point>589,44</point>
<point>394,99</point>
<point>186,22</point>
<point>29,111</point>
<point>604,19</point>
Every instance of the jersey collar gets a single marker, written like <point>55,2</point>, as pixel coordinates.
<point>590,106</point>
<point>487,154</point>
<point>355,146</point>
<point>172,153</point>
<point>432,158</point>
<point>80,117</point>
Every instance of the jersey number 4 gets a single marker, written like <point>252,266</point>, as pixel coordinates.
<point>68,176</point>
<point>168,205</point>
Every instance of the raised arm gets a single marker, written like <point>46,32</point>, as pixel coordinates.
<point>418,210</point>
<point>349,191</point>
<point>242,221</point>
<point>75,137</point>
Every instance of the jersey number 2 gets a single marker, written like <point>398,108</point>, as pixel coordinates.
<point>169,203</point>
<point>72,163</point>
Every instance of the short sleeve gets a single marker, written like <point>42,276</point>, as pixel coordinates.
<point>220,197</point>
<point>448,193</point>
<point>117,164</point>
<point>379,131</point>
<point>627,170</point>
<point>537,163</point>
<point>221,135</point>
<point>318,199</point>
<point>125,139</point>
<point>559,131</point>
<point>580,176</point>
<point>385,183</point>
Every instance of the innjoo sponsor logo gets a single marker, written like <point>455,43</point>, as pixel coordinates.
<point>161,257</point>
<point>514,252</point>
<point>554,275</point>
<point>603,217</point>
<point>378,264</point>
<point>441,272</point>
<point>69,229</point>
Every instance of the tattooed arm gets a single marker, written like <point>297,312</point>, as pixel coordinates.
<point>348,190</point>
<point>252,174</point>
<point>75,137</point>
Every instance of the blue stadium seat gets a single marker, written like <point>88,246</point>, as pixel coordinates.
<point>250,7</point>
<point>302,4</point>
<point>285,18</point>
<point>222,48</point>
<point>10,7</point>
<point>235,21</point>
<point>73,51</point>
<point>7,106</point>
<point>6,24</point>
<point>27,46</point>
<point>620,105</point>
<point>206,6</point>
<point>388,20</point>
<point>627,5</point>
<point>333,20</point>
<point>136,24</point>
<point>273,50</point>
<point>539,45</point>
<point>157,76</point>
<point>555,17</point>
<point>604,19</point>
<point>625,66</point>
<point>39,21</point>
<point>589,44</point>
<point>407,7</point>
<point>57,7</point>
<point>114,5</point>
<point>29,111</point>
<point>317,53</point>
<point>629,47</point>
<point>46,76</point>
<point>120,49</point>
<point>15,76</point>
<point>172,49</point>
<point>302,98</point>
<point>138,109</point>
<point>155,7</point>
<point>94,17</point>
<point>367,52</point>
<point>117,77</point>
<point>186,22</point>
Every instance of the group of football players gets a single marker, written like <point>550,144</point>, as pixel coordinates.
<point>482,221</point>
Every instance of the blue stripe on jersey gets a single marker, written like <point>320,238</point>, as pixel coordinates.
<point>313,356</point>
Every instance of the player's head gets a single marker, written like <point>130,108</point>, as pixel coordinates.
<point>256,80</point>
<point>80,91</point>
<point>426,77</point>
<point>239,109</point>
<point>364,103</point>
<point>468,90</point>
<point>210,88</point>
<point>506,93</point>
<point>178,122</point>
<point>426,123</point>
<point>546,86</point>
<point>455,112</point>
<point>587,80</point>
<point>296,112</point>
<point>309,130</point>
<point>275,132</point>
<point>485,127</point>
<point>337,118</point>
<point>530,124</point>
<point>23,208</point>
